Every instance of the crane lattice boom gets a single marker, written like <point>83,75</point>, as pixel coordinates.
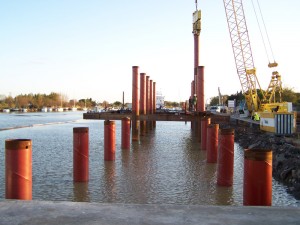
<point>242,51</point>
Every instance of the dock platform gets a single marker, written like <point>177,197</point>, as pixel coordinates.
<point>217,118</point>
<point>49,212</point>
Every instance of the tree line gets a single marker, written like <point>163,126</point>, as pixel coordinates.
<point>36,102</point>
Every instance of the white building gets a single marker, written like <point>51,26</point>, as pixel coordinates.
<point>160,100</point>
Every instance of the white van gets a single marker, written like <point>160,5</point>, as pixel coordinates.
<point>219,109</point>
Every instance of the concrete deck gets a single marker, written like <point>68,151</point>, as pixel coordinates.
<point>43,212</point>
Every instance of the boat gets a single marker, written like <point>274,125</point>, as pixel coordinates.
<point>44,109</point>
<point>60,109</point>
<point>85,108</point>
<point>6,110</point>
<point>74,108</point>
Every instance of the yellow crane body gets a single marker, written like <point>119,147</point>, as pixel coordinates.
<point>273,113</point>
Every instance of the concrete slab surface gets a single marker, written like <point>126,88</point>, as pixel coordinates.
<point>45,212</point>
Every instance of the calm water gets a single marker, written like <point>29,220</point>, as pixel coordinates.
<point>165,167</point>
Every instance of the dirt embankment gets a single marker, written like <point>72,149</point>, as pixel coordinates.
<point>286,154</point>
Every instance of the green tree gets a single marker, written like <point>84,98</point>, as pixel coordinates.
<point>288,95</point>
<point>89,103</point>
<point>22,101</point>
<point>38,101</point>
<point>214,100</point>
<point>105,104</point>
<point>117,104</point>
<point>10,102</point>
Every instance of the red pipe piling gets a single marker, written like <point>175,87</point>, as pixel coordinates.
<point>196,52</point>
<point>191,106</point>
<point>142,102</point>
<point>80,154</point>
<point>212,143</point>
<point>109,140</point>
<point>204,123</point>
<point>135,104</point>
<point>142,93</point>
<point>154,102</point>
<point>200,89</point>
<point>135,90</point>
<point>18,169</point>
<point>125,142</point>
<point>151,97</point>
<point>196,64</point>
<point>147,94</point>
<point>257,177</point>
<point>192,88</point>
<point>151,103</point>
<point>147,101</point>
<point>225,157</point>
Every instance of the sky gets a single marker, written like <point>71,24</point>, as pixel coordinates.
<point>86,48</point>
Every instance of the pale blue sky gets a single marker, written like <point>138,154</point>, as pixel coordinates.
<point>86,48</point>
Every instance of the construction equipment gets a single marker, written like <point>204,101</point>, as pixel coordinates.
<point>276,116</point>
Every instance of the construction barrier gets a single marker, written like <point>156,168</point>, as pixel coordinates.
<point>279,123</point>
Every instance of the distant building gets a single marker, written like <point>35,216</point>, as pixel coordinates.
<point>129,106</point>
<point>160,100</point>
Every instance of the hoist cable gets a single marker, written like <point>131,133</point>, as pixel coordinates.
<point>262,37</point>
<point>265,30</point>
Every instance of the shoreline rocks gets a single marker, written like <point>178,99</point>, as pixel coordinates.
<point>286,154</point>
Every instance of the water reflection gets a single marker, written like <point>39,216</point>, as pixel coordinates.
<point>165,167</point>
<point>223,195</point>
<point>81,192</point>
<point>108,182</point>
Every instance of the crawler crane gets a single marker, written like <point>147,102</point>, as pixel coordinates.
<point>275,116</point>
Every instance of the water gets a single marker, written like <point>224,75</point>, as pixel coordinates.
<point>166,167</point>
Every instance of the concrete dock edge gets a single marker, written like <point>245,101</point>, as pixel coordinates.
<point>47,212</point>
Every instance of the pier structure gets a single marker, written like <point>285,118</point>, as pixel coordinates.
<point>144,114</point>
